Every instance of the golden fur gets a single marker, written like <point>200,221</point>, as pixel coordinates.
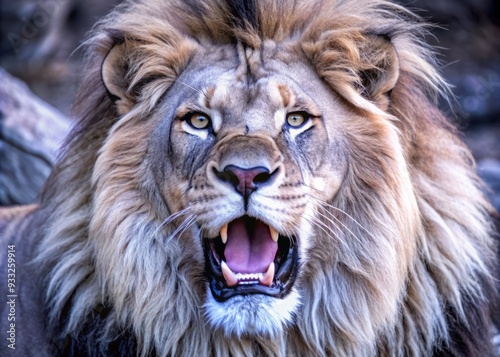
<point>394,233</point>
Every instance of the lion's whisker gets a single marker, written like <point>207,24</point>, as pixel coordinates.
<point>324,227</point>
<point>328,205</point>
<point>338,220</point>
<point>182,227</point>
<point>171,218</point>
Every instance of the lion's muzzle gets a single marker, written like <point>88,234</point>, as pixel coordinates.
<point>248,255</point>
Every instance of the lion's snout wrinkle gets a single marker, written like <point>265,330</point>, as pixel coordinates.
<point>247,151</point>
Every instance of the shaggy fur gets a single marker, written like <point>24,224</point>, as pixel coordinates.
<point>397,254</point>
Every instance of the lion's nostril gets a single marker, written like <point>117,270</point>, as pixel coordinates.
<point>227,176</point>
<point>262,177</point>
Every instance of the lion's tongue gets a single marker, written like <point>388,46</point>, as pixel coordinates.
<point>249,248</point>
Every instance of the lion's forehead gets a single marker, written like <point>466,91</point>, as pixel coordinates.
<point>254,106</point>
<point>254,95</point>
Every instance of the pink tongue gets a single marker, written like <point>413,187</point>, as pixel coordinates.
<point>249,247</point>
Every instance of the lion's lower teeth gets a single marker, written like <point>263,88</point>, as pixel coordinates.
<point>241,277</point>
<point>233,279</point>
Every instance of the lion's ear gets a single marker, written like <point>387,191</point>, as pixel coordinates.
<point>382,71</point>
<point>114,76</point>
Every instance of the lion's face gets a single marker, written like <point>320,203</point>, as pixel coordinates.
<point>269,178</point>
<point>260,184</point>
<point>248,142</point>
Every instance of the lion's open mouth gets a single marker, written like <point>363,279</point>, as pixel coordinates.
<point>250,257</point>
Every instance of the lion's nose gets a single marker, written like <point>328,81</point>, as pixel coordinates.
<point>245,181</point>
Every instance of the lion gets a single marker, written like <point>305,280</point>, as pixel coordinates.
<point>257,178</point>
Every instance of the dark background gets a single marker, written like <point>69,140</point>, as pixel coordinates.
<point>39,44</point>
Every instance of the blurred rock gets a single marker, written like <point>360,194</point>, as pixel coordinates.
<point>31,132</point>
<point>484,141</point>
<point>489,170</point>
<point>39,42</point>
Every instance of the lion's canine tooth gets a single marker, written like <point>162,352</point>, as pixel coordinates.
<point>268,277</point>
<point>229,276</point>
<point>274,233</point>
<point>223,233</point>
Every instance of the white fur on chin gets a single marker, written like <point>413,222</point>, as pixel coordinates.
<point>252,314</point>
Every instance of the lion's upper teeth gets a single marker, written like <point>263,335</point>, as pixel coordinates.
<point>223,233</point>
<point>274,233</point>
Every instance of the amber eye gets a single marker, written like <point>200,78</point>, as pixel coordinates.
<point>297,119</point>
<point>198,120</point>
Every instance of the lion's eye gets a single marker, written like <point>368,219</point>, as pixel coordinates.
<point>198,121</point>
<point>297,119</point>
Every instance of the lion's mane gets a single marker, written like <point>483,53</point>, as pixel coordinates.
<point>124,291</point>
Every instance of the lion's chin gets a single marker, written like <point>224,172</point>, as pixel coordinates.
<point>257,314</point>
